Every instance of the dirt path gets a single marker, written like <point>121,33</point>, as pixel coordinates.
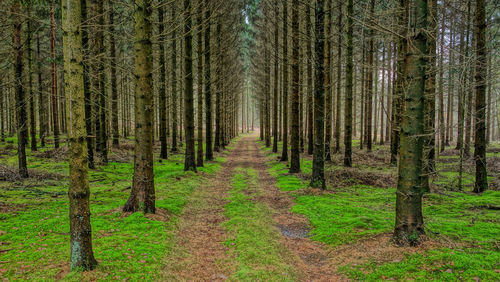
<point>199,252</point>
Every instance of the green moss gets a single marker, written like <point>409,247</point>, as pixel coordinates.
<point>254,241</point>
<point>130,247</point>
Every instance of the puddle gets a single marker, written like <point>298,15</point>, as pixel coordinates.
<point>294,231</point>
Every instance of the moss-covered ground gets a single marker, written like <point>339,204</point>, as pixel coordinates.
<point>465,226</point>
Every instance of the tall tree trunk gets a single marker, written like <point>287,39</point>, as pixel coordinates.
<point>21,115</point>
<point>284,153</point>
<point>114,90</point>
<point>142,196</point>
<point>442,126</point>
<point>29,32</point>
<point>42,98</point>
<point>102,138</point>
<point>409,221</point>
<point>382,92</point>
<point>481,183</point>
<point>310,126</point>
<point>208,84</point>
<point>199,161</point>
<point>348,88</point>
<point>339,77</point>
<point>468,92</point>
<point>276,78</point>
<point>328,86</point>
<point>79,208</point>
<point>451,72</point>
<point>55,124</point>
<point>369,81</point>
<point>86,87</point>
<point>190,160</point>
<point>267,100</point>
<point>174,80</point>
<point>295,153</point>
<point>162,101</point>
<point>430,97</point>
<point>2,114</point>
<point>318,170</point>
<point>399,83</point>
<point>218,96</point>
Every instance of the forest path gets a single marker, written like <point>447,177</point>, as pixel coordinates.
<point>200,251</point>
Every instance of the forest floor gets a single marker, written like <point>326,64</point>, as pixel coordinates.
<point>243,217</point>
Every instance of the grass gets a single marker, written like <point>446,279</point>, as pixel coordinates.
<point>259,256</point>
<point>36,235</point>
<point>459,219</point>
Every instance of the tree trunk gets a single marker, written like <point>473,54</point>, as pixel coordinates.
<point>318,170</point>
<point>199,161</point>
<point>55,124</point>
<point>348,88</point>
<point>409,221</point>
<point>114,90</point>
<point>295,150</point>
<point>21,115</point>
<point>208,83</point>
<point>276,78</point>
<point>481,183</point>
<point>162,101</point>
<point>190,160</point>
<point>442,126</point>
<point>310,126</point>
<point>79,208</point>
<point>174,80</point>
<point>328,86</point>
<point>29,32</point>
<point>42,99</point>
<point>339,78</point>
<point>369,81</point>
<point>284,153</point>
<point>142,196</point>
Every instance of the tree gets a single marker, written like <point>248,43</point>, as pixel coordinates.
<point>328,86</point>
<point>481,183</point>
<point>276,78</point>
<point>348,88</point>
<point>82,255</point>
<point>55,124</point>
<point>295,150</point>
<point>142,196</point>
<point>318,171</point>
<point>208,84</point>
<point>409,221</point>
<point>114,90</point>
<point>29,32</point>
<point>190,160</point>
<point>21,115</point>
<point>163,95</point>
<point>284,153</point>
<point>199,161</point>
<point>310,136</point>
<point>339,78</point>
<point>174,80</point>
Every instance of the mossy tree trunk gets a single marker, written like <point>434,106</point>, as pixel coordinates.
<point>409,221</point>
<point>79,212</point>
<point>142,196</point>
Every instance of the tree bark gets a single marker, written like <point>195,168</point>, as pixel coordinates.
<point>190,160</point>
<point>55,124</point>
<point>310,126</point>
<point>318,170</point>
<point>114,90</point>
<point>142,196</point>
<point>409,221</point>
<point>21,115</point>
<point>295,150</point>
<point>481,183</point>
<point>79,212</point>
<point>199,160</point>
<point>208,83</point>
<point>284,153</point>
<point>348,88</point>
